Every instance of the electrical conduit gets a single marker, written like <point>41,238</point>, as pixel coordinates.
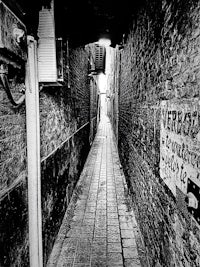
<point>33,156</point>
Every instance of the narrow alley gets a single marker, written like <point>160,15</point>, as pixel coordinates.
<point>99,227</point>
<point>99,133</point>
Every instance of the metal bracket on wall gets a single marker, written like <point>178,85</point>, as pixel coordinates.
<point>6,86</point>
<point>193,200</point>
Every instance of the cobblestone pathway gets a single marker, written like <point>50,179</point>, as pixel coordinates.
<point>99,229</point>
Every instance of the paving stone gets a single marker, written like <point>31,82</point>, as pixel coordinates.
<point>111,187</point>
<point>102,197</point>
<point>68,249</point>
<point>113,237</point>
<point>127,233</point>
<point>132,263</point>
<point>100,219</point>
<point>114,258</point>
<point>86,239</point>
<point>98,246</point>
<point>112,215</point>
<point>111,264</point>
<point>90,204</point>
<point>112,204</point>
<point>93,190</point>
<point>101,212</point>
<point>112,209</point>
<point>99,241</point>
<point>99,252</point>
<point>76,223</point>
<point>91,194</point>
<point>113,229</point>
<point>73,233</point>
<point>121,201</point>
<point>125,219</point>
<point>92,200</point>
<point>100,233</point>
<point>67,253</point>
<point>101,190</point>
<point>126,225</point>
<point>90,209</point>
<point>87,228</point>
<point>81,265</point>
<point>128,242</point>
<point>79,210</point>
<point>84,246</point>
<point>130,253</point>
<point>123,207</point>
<point>78,217</point>
<point>87,236</point>
<point>81,204</point>
<point>123,212</point>
<point>110,177</point>
<point>64,264</point>
<point>100,224</point>
<point>111,221</point>
<point>119,197</point>
<point>89,215</point>
<point>114,247</point>
<point>82,257</point>
<point>88,221</point>
<point>101,206</point>
<point>98,262</point>
<point>111,197</point>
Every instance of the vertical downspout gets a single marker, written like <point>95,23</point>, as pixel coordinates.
<point>33,156</point>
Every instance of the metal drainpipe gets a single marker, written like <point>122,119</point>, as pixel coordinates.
<point>33,156</point>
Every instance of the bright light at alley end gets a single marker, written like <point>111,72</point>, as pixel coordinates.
<point>102,82</point>
<point>104,42</point>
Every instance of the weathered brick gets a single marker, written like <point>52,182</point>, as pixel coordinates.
<point>159,61</point>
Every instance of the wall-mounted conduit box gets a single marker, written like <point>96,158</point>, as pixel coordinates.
<point>13,48</point>
<point>50,56</point>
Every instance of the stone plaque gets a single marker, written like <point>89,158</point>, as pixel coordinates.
<point>180,144</point>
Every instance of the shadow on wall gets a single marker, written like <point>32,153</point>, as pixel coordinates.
<point>60,173</point>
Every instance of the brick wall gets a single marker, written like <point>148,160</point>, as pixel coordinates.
<point>65,143</point>
<point>94,91</point>
<point>112,71</point>
<point>65,129</point>
<point>160,61</point>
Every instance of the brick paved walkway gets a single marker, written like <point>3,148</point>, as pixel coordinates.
<point>99,229</point>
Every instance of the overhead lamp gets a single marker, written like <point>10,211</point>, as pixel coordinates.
<point>104,42</point>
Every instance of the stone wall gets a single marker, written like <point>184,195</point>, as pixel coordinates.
<point>160,66</point>
<point>65,130</point>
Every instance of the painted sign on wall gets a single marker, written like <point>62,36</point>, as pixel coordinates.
<point>180,144</point>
